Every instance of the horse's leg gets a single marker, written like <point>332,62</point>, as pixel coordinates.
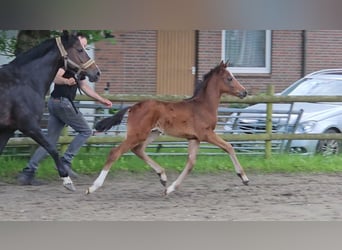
<point>226,146</point>
<point>36,134</point>
<point>114,154</point>
<point>140,152</point>
<point>4,137</point>
<point>192,153</point>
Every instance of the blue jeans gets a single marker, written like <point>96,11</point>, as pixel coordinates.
<point>62,113</point>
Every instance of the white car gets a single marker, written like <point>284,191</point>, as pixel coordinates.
<point>315,118</point>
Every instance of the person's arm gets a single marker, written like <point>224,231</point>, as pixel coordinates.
<point>60,80</point>
<point>91,93</point>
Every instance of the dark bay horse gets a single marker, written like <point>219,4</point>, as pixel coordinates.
<point>24,82</point>
<point>193,119</point>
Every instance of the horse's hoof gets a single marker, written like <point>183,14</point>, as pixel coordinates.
<point>87,191</point>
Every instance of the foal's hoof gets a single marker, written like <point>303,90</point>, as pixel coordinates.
<point>163,182</point>
<point>91,189</point>
<point>245,181</point>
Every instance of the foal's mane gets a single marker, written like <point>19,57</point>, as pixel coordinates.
<point>202,84</point>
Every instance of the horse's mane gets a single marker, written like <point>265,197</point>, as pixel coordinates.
<point>43,48</point>
<point>202,84</point>
<point>31,54</point>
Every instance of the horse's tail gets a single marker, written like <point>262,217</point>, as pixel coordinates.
<point>106,123</point>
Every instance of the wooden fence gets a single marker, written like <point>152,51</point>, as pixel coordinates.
<point>268,136</point>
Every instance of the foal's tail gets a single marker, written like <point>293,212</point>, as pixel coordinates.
<point>109,122</point>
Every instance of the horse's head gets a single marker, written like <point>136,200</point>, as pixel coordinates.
<point>72,47</point>
<point>229,83</point>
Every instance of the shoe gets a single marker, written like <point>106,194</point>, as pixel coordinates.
<point>27,178</point>
<point>67,183</point>
<point>67,166</point>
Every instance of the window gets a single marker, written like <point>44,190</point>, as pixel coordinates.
<point>248,51</point>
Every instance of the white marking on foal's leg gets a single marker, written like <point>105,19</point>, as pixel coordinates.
<point>98,182</point>
<point>67,183</point>
<point>171,188</point>
<point>239,170</point>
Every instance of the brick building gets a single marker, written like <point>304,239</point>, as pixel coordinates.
<point>169,62</point>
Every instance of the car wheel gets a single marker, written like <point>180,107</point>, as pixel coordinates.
<point>329,147</point>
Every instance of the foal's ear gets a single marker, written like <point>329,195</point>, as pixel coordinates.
<point>223,65</point>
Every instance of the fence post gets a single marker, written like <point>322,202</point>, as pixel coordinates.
<point>269,111</point>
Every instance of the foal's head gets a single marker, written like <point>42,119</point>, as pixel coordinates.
<point>228,83</point>
<point>78,59</point>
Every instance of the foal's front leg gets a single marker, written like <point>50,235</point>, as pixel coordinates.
<point>192,153</point>
<point>218,141</point>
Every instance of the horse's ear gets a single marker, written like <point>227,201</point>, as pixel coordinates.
<point>65,33</point>
<point>74,32</point>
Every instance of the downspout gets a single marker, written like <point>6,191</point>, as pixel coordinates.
<point>196,56</point>
<point>303,59</point>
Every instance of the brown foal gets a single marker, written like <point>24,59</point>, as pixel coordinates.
<point>194,119</point>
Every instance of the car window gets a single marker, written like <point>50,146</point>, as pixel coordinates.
<point>314,87</point>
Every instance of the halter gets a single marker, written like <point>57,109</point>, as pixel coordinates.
<point>67,60</point>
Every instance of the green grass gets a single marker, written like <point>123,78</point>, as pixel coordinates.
<point>91,163</point>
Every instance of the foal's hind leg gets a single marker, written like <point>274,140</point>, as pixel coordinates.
<point>140,152</point>
<point>192,153</point>
<point>218,141</point>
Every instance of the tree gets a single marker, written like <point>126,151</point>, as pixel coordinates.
<point>26,39</point>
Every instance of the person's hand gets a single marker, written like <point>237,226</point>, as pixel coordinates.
<point>70,81</point>
<point>107,103</point>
